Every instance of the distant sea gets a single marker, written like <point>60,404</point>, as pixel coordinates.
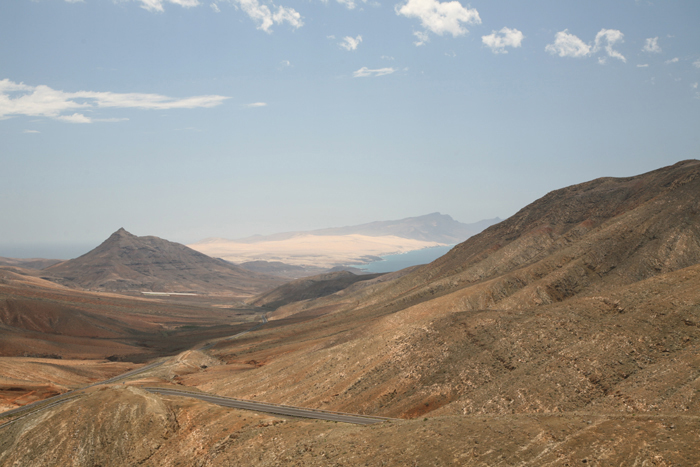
<point>393,263</point>
<point>45,250</point>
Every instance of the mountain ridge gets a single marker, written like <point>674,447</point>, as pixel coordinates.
<point>127,263</point>
<point>415,228</point>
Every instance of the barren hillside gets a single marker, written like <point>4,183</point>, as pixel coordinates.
<point>127,263</point>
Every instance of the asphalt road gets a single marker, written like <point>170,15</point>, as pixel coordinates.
<point>272,408</point>
<point>61,398</point>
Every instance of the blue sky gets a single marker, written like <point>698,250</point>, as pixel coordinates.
<point>188,119</point>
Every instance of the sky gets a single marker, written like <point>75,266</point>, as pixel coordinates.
<point>189,119</point>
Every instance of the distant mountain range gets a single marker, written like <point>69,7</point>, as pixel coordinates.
<point>360,244</point>
<point>435,227</point>
<point>127,263</point>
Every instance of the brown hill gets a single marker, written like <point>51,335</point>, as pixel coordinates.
<point>571,304</point>
<point>610,231</point>
<point>127,263</point>
<point>309,288</point>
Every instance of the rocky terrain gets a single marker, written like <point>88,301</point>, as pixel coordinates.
<point>127,263</point>
<point>309,288</point>
<point>568,334</point>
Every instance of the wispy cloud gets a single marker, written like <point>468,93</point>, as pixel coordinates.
<point>673,60</point>
<point>644,65</point>
<point>506,37</point>
<point>157,5</point>
<point>256,104</point>
<point>422,37</point>
<point>439,17</point>
<point>31,131</point>
<point>366,72</point>
<point>350,43</point>
<point>265,18</point>
<point>569,45</point>
<point>651,45</point>
<point>42,101</point>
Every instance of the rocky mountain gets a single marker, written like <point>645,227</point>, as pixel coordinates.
<point>127,263</point>
<point>585,300</point>
<point>606,232</point>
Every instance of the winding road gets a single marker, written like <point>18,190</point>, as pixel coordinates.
<point>273,408</point>
<point>265,407</point>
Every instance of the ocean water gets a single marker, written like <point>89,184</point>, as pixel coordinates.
<point>393,263</point>
<point>46,250</point>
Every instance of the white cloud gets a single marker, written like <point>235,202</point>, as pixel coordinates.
<point>73,1</point>
<point>422,37</point>
<point>257,104</point>
<point>651,45</point>
<point>350,43</point>
<point>285,63</point>
<point>262,15</point>
<point>568,45</point>
<point>610,37</point>
<point>350,4</point>
<point>439,17</point>
<point>75,118</point>
<point>506,37</point>
<point>696,63</point>
<point>157,5</point>
<point>43,101</point>
<point>365,72</point>
<point>645,65</point>
<point>673,60</point>
<point>387,57</point>
<point>31,131</point>
<point>694,85</point>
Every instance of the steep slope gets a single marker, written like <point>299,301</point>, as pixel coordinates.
<point>309,288</point>
<point>571,304</point>
<point>127,263</point>
<point>610,231</point>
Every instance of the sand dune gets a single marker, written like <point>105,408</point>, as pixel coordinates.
<point>312,250</point>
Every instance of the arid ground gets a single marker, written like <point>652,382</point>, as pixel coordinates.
<point>568,334</point>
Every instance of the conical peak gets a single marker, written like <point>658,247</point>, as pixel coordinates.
<point>121,233</point>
